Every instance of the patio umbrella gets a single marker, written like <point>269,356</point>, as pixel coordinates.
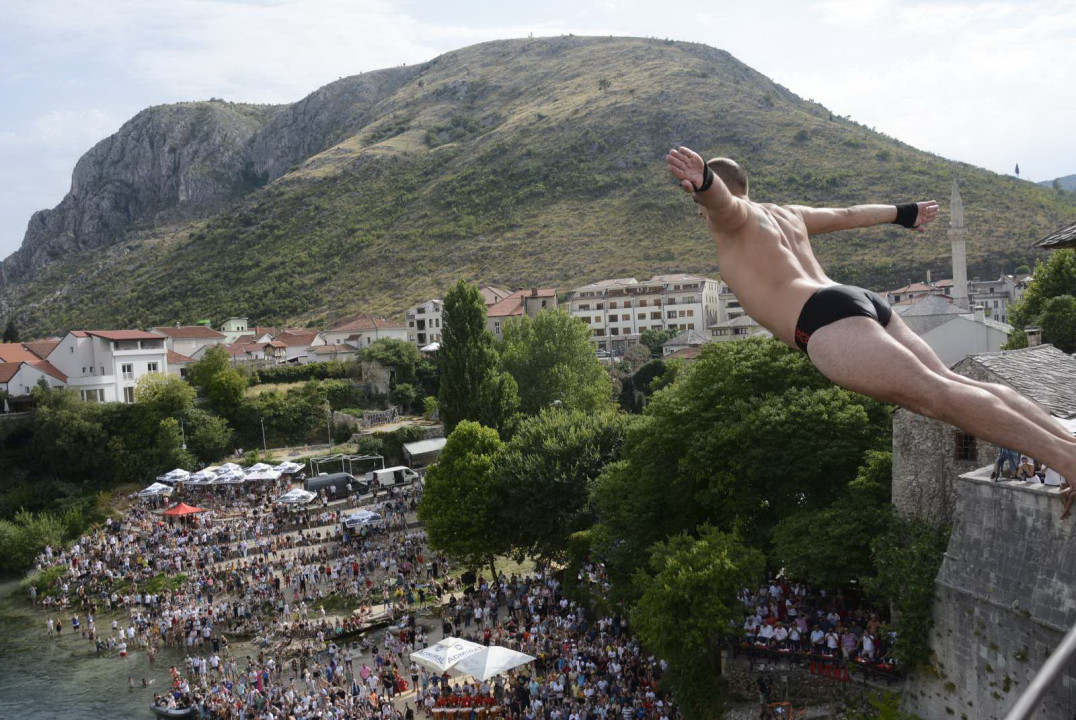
<point>296,497</point>
<point>289,468</point>
<point>490,661</point>
<point>183,509</point>
<point>156,489</point>
<point>202,477</point>
<point>443,655</point>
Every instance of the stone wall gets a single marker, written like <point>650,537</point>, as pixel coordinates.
<point>1006,595</point>
<point>793,682</point>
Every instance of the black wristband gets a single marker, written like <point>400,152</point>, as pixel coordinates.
<point>907,214</point>
<point>707,179</point>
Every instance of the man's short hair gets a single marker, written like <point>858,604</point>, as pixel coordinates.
<point>731,174</point>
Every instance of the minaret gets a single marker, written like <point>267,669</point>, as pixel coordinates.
<point>956,239</point>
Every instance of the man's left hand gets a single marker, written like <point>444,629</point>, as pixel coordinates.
<point>928,210</point>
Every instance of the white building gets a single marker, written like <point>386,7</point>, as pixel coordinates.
<point>17,379</point>
<point>618,311</point>
<point>517,304</point>
<point>738,327</point>
<point>424,322</point>
<point>105,365</point>
<point>361,331</point>
<point>297,343</point>
<point>189,339</point>
<point>234,328</point>
<point>951,332</point>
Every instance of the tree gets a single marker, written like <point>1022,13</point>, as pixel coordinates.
<point>547,470</point>
<point>225,392</point>
<point>831,548</point>
<point>209,437</point>
<point>1058,321</point>
<point>1054,278</point>
<point>214,361</point>
<point>11,333</point>
<point>750,434</point>
<point>552,361</point>
<point>471,387</point>
<point>687,609</point>
<point>458,500</point>
<point>166,394</point>
<point>654,339</point>
<point>400,355</point>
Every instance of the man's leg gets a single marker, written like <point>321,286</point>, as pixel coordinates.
<point>904,335</point>
<point>859,355</point>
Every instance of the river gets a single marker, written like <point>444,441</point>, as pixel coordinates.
<point>47,678</point>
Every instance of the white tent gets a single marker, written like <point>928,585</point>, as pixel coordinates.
<point>230,478</point>
<point>228,468</point>
<point>259,467</point>
<point>155,490</point>
<point>268,474</point>
<point>445,654</point>
<point>296,497</point>
<point>172,476</point>
<point>202,477</point>
<point>490,661</point>
<point>289,468</point>
<point>431,348</point>
<point>360,518</point>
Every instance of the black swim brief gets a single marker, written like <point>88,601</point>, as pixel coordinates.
<point>837,302</point>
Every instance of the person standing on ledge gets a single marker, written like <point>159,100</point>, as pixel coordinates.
<point>849,333</point>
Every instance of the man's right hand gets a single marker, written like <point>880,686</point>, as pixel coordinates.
<point>686,165</point>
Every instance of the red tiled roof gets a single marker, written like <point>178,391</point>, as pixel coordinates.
<point>914,287</point>
<point>259,331</point>
<point>42,348</point>
<point>244,339</point>
<point>364,323</point>
<point>49,369</point>
<point>116,335</point>
<point>189,331</point>
<point>8,370</point>
<point>296,339</point>
<point>175,358</point>
<point>492,295</point>
<point>509,307</point>
<point>331,349</point>
<point>16,353</point>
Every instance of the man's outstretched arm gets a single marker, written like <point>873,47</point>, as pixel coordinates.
<point>725,212</point>
<point>824,220</point>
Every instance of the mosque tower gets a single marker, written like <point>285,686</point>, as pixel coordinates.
<point>960,259</point>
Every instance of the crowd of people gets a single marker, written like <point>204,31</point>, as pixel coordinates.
<point>793,618</point>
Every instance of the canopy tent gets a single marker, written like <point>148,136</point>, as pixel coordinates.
<point>172,476</point>
<point>268,474</point>
<point>289,468</point>
<point>491,661</point>
<point>228,468</point>
<point>259,467</point>
<point>183,509</point>
<point>230,478</point>
<point>431,348</point>
<point>155,490</point>
<point>360,518</point>
<point>424,452</point>
<point>296,497</point>
<point>202,477</point>
<point>441,656</point>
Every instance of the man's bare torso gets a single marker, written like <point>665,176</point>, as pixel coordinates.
<point>768,263</point>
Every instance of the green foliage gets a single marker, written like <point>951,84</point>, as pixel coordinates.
<point>552,361</point>
<point>309,371</point>
<point>751,434</point>
<point>654,338</point>
<point>44,581</point>
<point>291,418</point>
<point>429,406</point>
<point>11,332</point>
<point>831,547</point>
<point>1044,302</point>
<point>400,355</point>
<point>687,607</point>
<point>209,436</point>
<point>166,394</point>
<point>221,383</point>
<point>213,362</point>
<point>472,386</point>
<point>906,560</point>
<point>406,396</point>
<point>24,538</point>
<point>548,468</point>
<point>458,500</point>
<point>339,393</point>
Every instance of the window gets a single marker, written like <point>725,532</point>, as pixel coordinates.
<point>612,304</point>
<point>670,313</point>
<point>965,447</point>
<point>642,303</point>
<point>102,369</point>
<point>625,317</point>
<point>599,332</point>
<point>682,313</point>
<point>152,367</point>
<point>691,313</point>
<point>543,303</point>
<point>585,306</point>
<point>597,318</point>
<point>655,316</point>
<point>586,319</point>
<point>128,371</point>
<point>97,395</point>
<point>614,331</point>
<point>642,316</point>
<point>691,326</point>
<point>128,395</point>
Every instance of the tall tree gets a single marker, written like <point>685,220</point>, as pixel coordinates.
<point>1054,278</point>
<point>552,361</point>
<point>167,394</point>
<point>472,387</point>
<point>687,609</point>
<point>547,470</point>
<point>458,500</point>
<point>11,333</point>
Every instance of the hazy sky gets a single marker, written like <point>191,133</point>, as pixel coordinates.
<point>989,83</point>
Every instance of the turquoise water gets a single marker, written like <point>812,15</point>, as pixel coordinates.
<point>43,678</point>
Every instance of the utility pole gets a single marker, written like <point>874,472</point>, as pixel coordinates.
<point>264,446</point>
<point>182,434</point>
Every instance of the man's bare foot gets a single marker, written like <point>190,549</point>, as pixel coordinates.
<point>1066,513</point>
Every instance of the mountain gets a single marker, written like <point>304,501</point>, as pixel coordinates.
<point>514,162</point>
<point>1064,183</point>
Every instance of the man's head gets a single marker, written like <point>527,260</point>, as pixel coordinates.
<point>731,174</point>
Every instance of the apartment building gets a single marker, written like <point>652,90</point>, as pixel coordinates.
<point>618,311</point>
<point>189,339</point>
<point>994,296</point>
<point>105,365</point>
<point>424,322</point>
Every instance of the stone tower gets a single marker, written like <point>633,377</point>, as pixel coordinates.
<point>960,259</point>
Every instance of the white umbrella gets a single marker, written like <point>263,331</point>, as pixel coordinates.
<point>445,654</point>
<point>227,468</point>
<point>269,474</point>
<point>156,489</point>
<point>490,661</point>
<point>289,468</point>
<point>230,478</point>
<point>296,497</point>
<point>259,467</point>
<point>202,477</point>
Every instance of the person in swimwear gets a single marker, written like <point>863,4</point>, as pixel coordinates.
<point>849,333</point>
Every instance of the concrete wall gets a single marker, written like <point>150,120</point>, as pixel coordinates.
<point>1006,595</point>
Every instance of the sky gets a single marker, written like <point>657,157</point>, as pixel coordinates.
<point>988,83</point>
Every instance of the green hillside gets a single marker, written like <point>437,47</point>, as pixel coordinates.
<point>530,162</point>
